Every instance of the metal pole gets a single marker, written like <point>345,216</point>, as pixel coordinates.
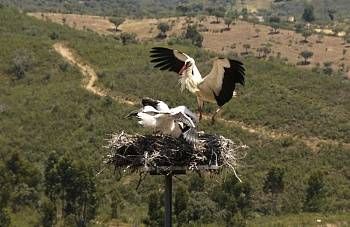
<point>167,200</point>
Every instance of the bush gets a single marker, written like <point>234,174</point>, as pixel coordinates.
<point>4,218</point>
<point>63,66</point>
<point>315,193</point>
<point>163,27</point>
<point>21,63</point>
<point>54,35</point>
<point>127,38</point>
<point>48,213</point>
<point>193,35</point>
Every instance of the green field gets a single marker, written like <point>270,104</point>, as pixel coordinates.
<point>45,111</point>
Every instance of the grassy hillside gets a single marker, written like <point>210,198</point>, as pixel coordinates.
<point>276,96</point>
<point>44,108</point>
<point>164,8</point>
<point>131,8</point>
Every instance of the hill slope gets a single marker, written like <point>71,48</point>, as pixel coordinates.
<point>44,107</point>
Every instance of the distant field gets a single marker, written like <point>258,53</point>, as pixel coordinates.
<point>286,44</point>
<point>254,5</point>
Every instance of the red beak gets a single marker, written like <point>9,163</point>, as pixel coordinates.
<point>183,69</point>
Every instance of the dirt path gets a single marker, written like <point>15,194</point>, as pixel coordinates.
<point>88,72</point>
<point>90,85</point>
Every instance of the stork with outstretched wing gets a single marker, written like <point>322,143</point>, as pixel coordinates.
<point>175,122</point>
<point>217,87</point>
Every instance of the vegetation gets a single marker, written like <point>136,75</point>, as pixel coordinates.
<point>163,28</point>
<point>193,35</point>
<point>315,193</point>
<point>306,55</point>
<point>116,21</point>
<point>274,21</point>
<point>274,185</point>
<point>53,130</point>
<point>306,34</point>
<point>308,14</point>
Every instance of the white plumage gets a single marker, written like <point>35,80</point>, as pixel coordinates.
<point>175,122</point>
<point>217,87</point>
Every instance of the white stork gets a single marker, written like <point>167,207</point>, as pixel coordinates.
<point>217,87</point>
<point>175,122</point>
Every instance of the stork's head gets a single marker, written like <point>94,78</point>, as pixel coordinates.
<point>189,63</point>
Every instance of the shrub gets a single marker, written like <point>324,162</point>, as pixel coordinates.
<point>63,66</point>
<point>315,193</point>
<point>4,218</point>
<point>193,35</point>
<point>127,38</point>
<point>21,63</point>
<point>54,35</point>
<point>163,28</point>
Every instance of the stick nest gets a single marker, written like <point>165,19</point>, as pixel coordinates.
<point>153,151</point>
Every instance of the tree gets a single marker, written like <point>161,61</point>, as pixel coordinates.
<point>116,21</point>
<point>218,12</point>
<point>74,188</point>
<point>308,14</point>
<point>257,31</point>
<point>25,179</point>
<point>48,213</point>
<point>246,47</point>
<point>274,21</point>
<point>230,16</point>
<point>306,34</point>
<point>274,185</point>
<point>275,28</point>
<point>155,216</point>
<point>306,55</point>
<point>193,35</point>
<point>233,198</point>
<point>5,220</point>
<point>163,28</point>
<point>51,178</point>
<point>331,13</point>
<point>315,193</point>
<point>180,204</point>
<point>228,21</point>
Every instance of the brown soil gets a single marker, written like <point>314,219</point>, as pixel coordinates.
<point>287,44</point>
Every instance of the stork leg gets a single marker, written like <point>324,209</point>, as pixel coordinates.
<point>214,115</point>
<point>200,107</point>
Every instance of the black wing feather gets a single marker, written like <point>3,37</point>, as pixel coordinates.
<point>149,102</point>
<point>234,74</point>
<point>166,59</point>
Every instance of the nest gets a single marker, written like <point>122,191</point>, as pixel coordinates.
<point>154,152</point>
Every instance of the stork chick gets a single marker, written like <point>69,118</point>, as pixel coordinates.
<point>175,122</point>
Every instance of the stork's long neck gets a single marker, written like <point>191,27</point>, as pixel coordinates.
<point>191,78</point>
